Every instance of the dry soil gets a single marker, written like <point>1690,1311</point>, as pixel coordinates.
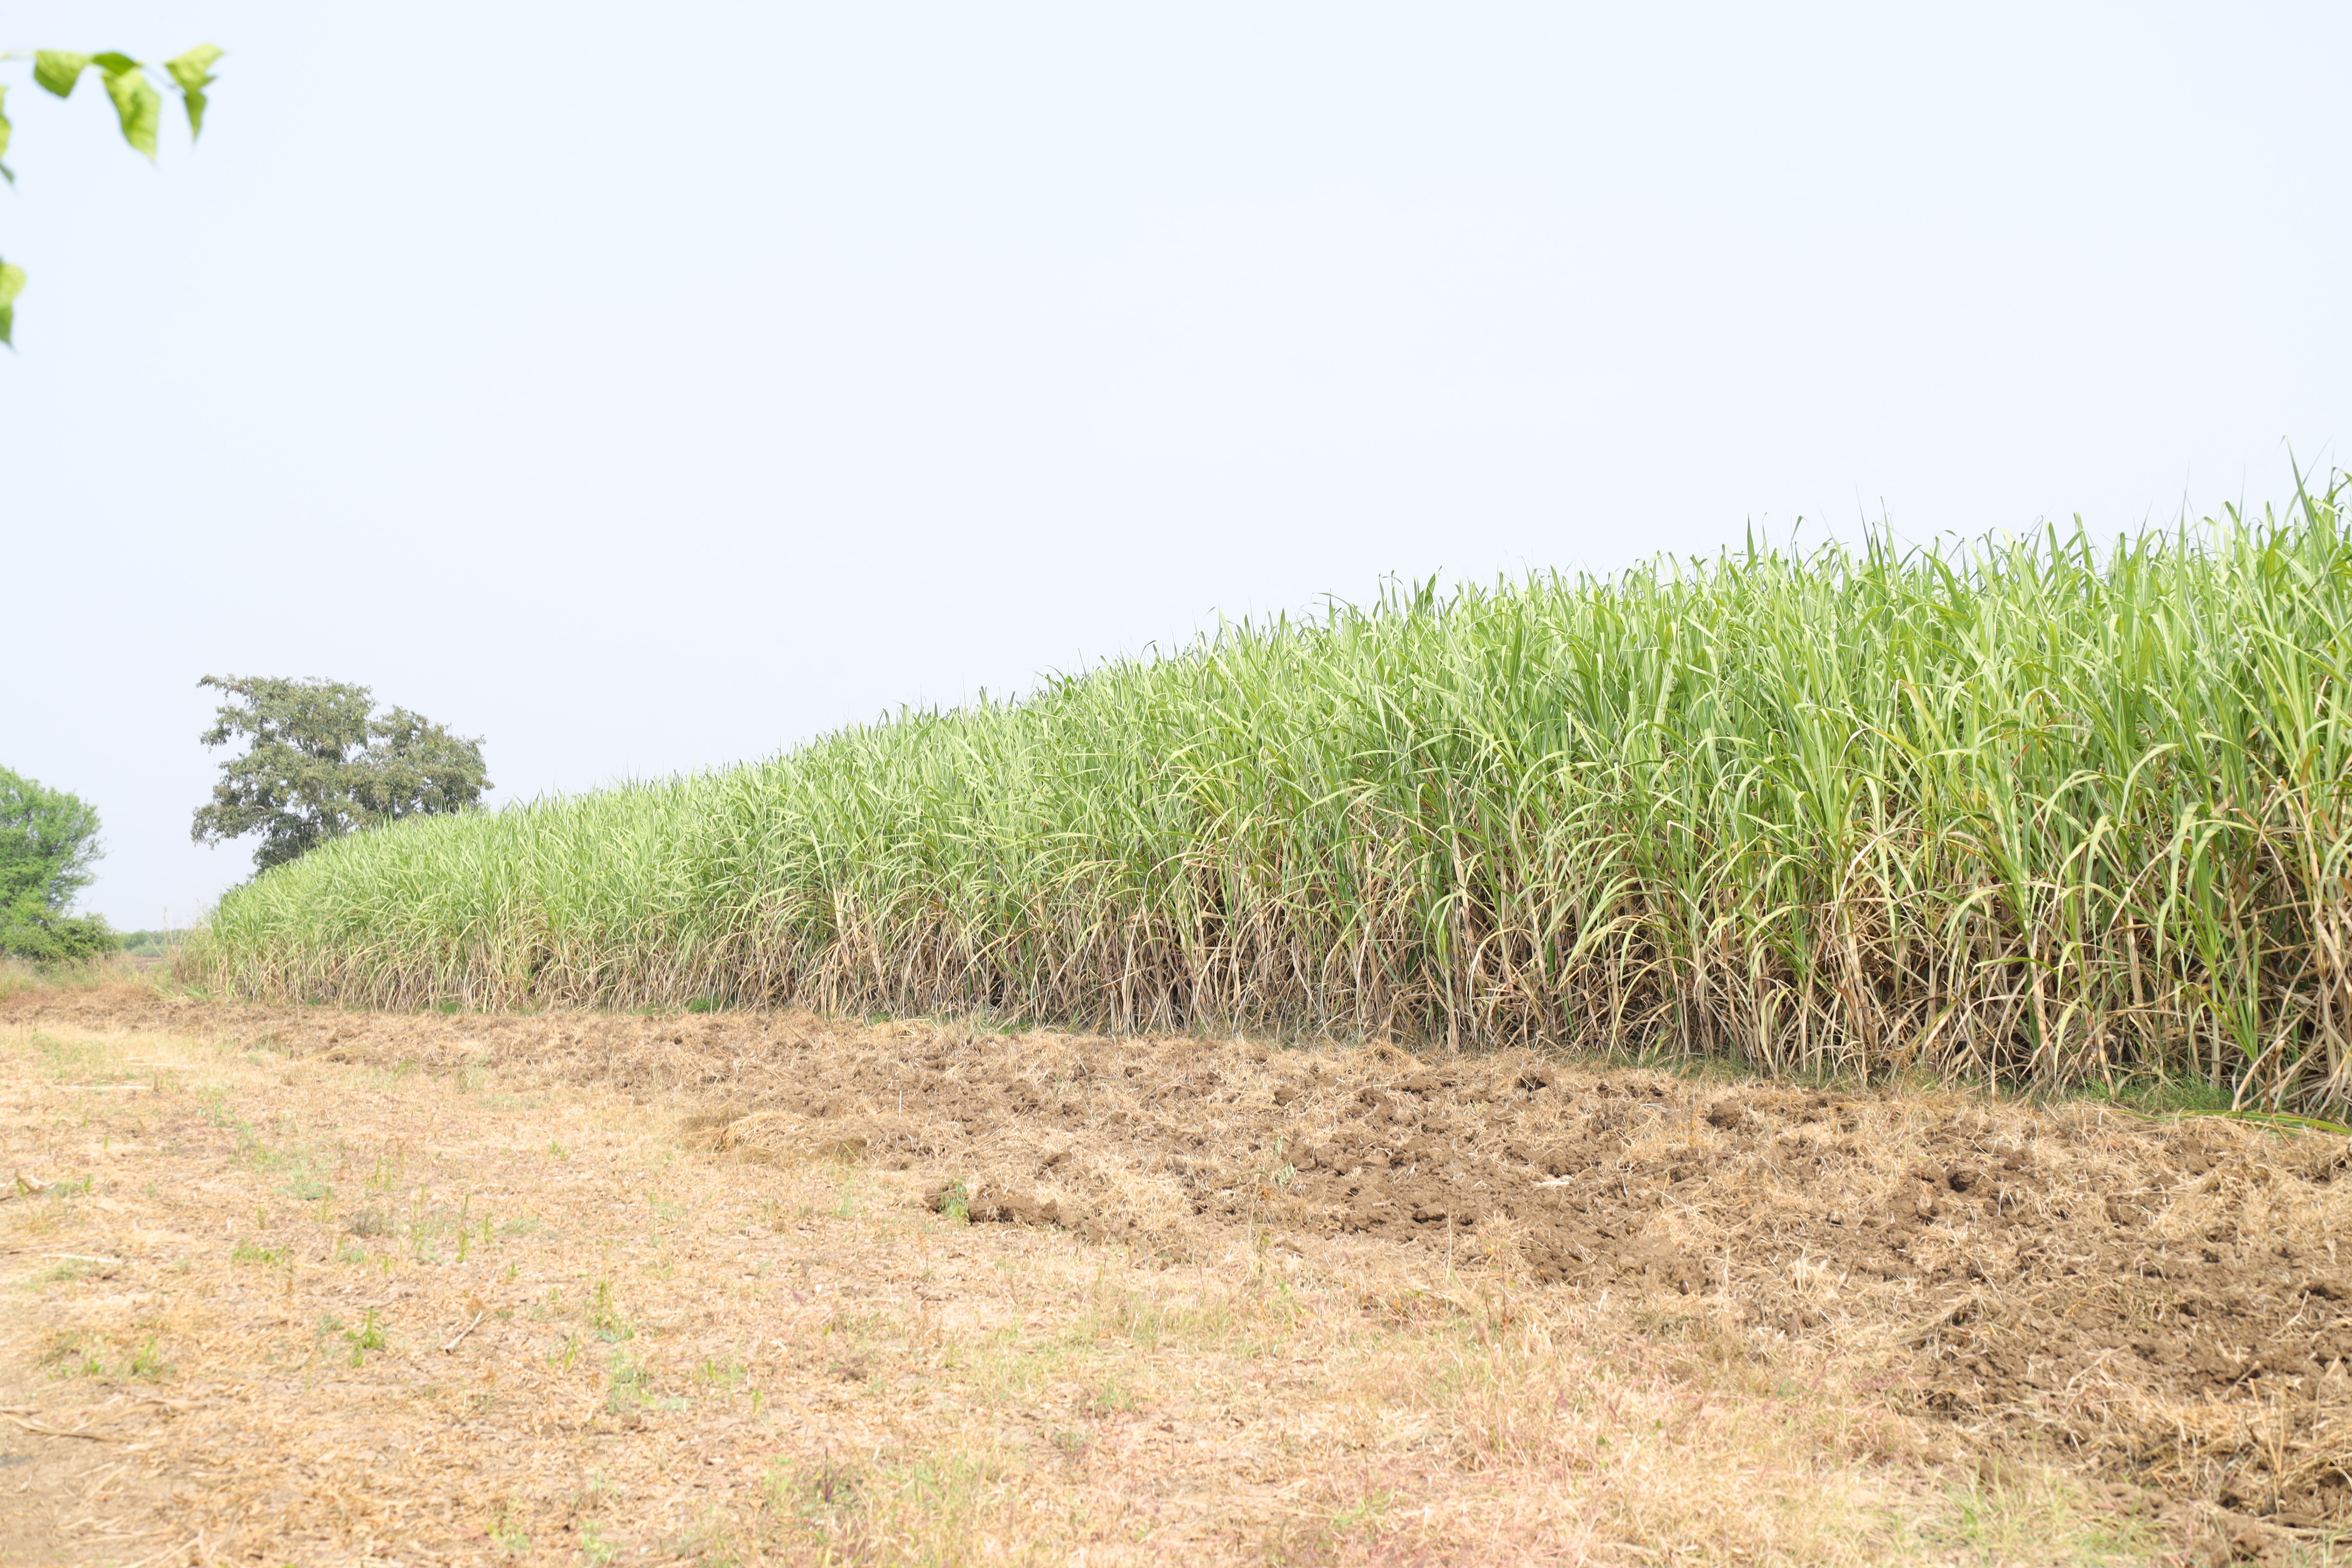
<point>297,1285</point>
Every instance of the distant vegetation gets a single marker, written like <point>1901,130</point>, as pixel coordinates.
<point>151,943</point>
<point>49,840</point>
<point>319,762</point>
<point>2045,808</point>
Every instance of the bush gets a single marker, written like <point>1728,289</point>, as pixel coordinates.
<point>47,840</point>
<point>58,939</point>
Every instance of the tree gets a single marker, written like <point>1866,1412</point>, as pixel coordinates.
<point>47,840</point>
<point>321,765</point>
<point>138,105</point>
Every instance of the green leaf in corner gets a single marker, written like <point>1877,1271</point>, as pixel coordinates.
<point>192,71</point>
<point>12,283</point>
<point>4,131</point>
<point>57,69</point>
<point>136,103</point>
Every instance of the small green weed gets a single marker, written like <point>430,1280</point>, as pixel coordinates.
<point>368,1336</point>
<point>506,1534</point>
<point>626,1386</point>
<point>604,1317</point>
<point>819,1495</point>
<point>71,1354</point>
<point>64,1273</point>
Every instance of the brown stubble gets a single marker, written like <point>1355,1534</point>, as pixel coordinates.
<point>727,1323</point>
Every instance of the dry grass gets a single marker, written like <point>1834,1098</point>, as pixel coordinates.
<point>579,1290</point>
<point>17,976</point>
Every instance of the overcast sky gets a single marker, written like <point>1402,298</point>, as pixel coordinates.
<point>648,387</point>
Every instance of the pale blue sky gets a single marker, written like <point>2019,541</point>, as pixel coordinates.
<point>646,388</point>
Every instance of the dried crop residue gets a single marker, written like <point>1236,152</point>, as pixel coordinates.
<point>1330,1303</point>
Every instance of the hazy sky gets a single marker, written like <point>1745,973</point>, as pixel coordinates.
<point>648,387</point>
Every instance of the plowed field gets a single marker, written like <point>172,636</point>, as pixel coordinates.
<point>302,1285</point>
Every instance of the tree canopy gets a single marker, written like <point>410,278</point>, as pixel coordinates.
<point>138,106</point>
<point>322,762</point>
<point>49,840</point>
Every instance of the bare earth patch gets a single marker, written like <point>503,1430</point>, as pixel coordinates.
<point>295,1285</point>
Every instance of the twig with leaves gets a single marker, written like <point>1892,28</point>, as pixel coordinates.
<point>138,104</point>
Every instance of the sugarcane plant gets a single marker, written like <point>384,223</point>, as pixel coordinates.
<point>2050,810</point>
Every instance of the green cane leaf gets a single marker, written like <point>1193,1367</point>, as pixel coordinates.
<point>4,128</point>
<point>138,105</point>
<point>57,69</point>
<point>114,62</point>
<point>192,71</point>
